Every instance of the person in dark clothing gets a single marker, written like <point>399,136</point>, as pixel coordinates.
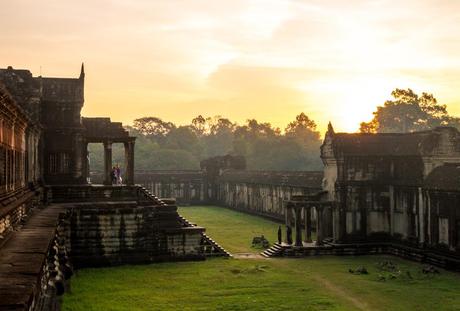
<point>289,235</point>
<point>113,175</point>
<point>280,237</point>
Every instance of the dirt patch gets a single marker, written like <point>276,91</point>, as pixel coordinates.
<point>341,293</point>
<point>248,256</point>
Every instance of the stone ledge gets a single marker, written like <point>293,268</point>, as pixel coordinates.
<point>411,253</point>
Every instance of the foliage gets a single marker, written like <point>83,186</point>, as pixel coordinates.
<point>164,145</point>
<point>409,112</point>
<point>152,126</point>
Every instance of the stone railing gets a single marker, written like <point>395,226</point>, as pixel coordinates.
<point>15,207</point>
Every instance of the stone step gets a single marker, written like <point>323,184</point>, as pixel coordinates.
<point>215,245</point>
<point>273,251</point>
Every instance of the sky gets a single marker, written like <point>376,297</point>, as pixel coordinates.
<point>335,60</point>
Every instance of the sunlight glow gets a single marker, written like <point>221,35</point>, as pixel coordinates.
<point>264,59</point>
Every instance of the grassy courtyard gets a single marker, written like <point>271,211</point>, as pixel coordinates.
<point>319,283</point>
<point>233,230</point>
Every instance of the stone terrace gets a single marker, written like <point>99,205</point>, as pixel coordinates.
<point>23,262</point>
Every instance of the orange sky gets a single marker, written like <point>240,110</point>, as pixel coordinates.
<point>263,59</point>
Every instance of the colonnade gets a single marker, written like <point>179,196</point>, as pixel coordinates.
<point>293,214</point>
<point>128,178</point>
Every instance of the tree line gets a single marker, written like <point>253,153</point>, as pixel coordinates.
<point>163,145</point>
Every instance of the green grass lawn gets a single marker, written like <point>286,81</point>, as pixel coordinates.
<point>316,283</point>
<point>232,230</point>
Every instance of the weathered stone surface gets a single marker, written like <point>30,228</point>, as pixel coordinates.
<point>43,159</point>
<point>398,188</point>
<point>23,260</point>
<point>257,192</point>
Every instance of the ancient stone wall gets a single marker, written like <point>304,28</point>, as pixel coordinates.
<point>256,192</point>
<point>115,225</point>
<point>187,187</point>
<point>105,234</point>
<point>263,192</point>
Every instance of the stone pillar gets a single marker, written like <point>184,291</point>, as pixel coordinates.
<point>78,157</point>
<point>286,214</point>
<point>307,214</point>
<point>298,226</point>
<point>107,162</point>
<point>319,225</point>
<point>392,209</point>
<point>288,223</point>
<point>85,162</point>
<point>342,215</point>
<point>129,162</point>
<point>421,216</point>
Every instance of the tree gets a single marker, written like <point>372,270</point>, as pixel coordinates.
<point>153,126</point>
<point>199,125</point>
<point>302,121</point>
<point>184,138</point>
<point>303,128</point>
<point>408,112</point>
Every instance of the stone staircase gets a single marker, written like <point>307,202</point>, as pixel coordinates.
<point>147,194</point>
<point>213,249</point>
<point>275,251</point>
<point>210,247</point>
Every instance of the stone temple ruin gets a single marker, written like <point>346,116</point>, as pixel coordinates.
<point>378,193</point>
<point>50,218</point>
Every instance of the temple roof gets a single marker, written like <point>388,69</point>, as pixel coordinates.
<point>445,177</point>
<point>102,129</point>
<point>394,144</point>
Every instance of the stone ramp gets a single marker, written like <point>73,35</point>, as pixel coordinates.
<point>23,260</point>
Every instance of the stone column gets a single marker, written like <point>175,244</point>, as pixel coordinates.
<point>78,157</point>
<point>288,223</point>
<point>392,209</point>
<point>421,216</point>
<point>319,225</point>
<point>298,226</point>
<point>107,162</point>
<point>307,214</point>
<point>129,162</point>
<point>85,162</point>
<point>286,214</point>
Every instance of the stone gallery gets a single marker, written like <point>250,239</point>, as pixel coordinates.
<point>379,193</point>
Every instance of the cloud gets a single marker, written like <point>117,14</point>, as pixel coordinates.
<point>267,59</point>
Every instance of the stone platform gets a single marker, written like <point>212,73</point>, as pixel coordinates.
<point>328,248</point>
<point>23,261</point>
<point>90,226</point>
